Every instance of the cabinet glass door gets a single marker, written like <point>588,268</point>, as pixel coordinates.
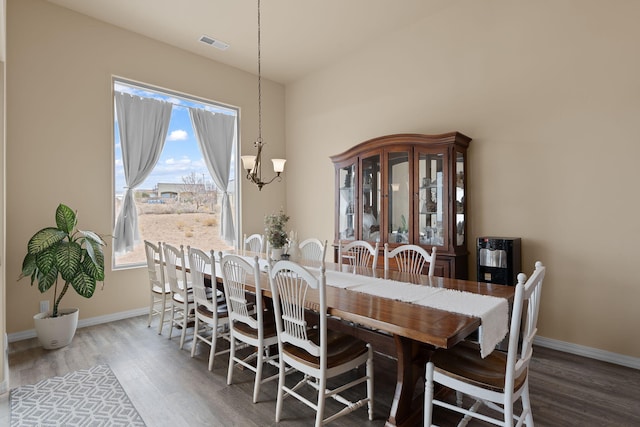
<point>460,202</point>
<point>399,197</point>
<point>346,202</point>
<point>371,198</point>
<point>432,202</point>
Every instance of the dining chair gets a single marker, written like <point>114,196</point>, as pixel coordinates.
<point>249,322</point>
<point>359,253</point>
<point>211,315</point>
<point>498,380</point>
<point>318,353</point>
<point>160,290</point>
<point>410,259</point>
<point>182,315</point>
<point>312,249</point>
<point>254,243</point>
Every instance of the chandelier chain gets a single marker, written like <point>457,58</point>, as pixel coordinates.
<point>259,83</point>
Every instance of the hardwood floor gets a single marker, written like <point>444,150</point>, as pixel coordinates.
<point>169,388</point>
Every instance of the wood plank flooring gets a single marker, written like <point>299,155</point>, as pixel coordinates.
<point>169,388</point>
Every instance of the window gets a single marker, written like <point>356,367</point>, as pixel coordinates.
<point>178,202</point>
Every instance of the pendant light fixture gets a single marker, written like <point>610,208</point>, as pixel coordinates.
<point>253,164</point>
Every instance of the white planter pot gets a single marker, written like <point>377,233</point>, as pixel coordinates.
<point>56,332</point>
<point>276,254</point>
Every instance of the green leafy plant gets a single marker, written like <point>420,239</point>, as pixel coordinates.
<point>403,221</point>
<point>65,252</point>
<point>274,229</point>
<point>403,225</point>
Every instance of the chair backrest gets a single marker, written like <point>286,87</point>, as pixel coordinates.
<point>254,243</point>
<point>236,273</point>
<point>176,275</point>
<point>290,287</point>
<point>410,258</point>
<point>312,249</point>
<point>360,253</point>
<point>155,264</point>
<point>200,264</point>
<point>523,322</point>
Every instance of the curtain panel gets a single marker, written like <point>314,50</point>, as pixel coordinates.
<point>215,133</point>
<point>143,125</point>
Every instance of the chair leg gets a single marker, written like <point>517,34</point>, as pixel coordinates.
<point>183,335</point>
<point>258,379</point>
<point>232,355</point>
<point>369,369</point>
<point>322,391</point>
<point>526,405</point>
<point>173,314</point>
<point>214,340</point>
<point>508,411</point>
<point>163,310</point>
<point>428,395</point>
<point>151,307</point>
<point>195,337</point>
<point>281,377</point>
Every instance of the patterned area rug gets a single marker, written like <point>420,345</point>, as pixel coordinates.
<point>90,397</point>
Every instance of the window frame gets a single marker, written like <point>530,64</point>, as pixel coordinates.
<point>236,170</point>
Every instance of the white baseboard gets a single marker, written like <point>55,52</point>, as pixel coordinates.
<point>590,352</point>
<point>31,333</point>
<point>4,385</point>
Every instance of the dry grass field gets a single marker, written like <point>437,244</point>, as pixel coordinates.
<point>197,229</point>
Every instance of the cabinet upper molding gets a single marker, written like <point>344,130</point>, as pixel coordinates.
<point>456,138</point>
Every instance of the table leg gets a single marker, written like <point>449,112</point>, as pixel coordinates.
<point>406,408</point>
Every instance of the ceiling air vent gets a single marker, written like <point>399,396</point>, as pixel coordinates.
<point>213,42</point>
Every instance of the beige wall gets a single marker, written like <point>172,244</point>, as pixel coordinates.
<point>550,93</point>
<point>548,90</point>
<point>59,135</point>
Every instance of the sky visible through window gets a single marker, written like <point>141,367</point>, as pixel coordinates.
<point>181,155</point>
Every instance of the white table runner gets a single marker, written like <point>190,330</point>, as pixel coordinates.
<point>492,311</point>
<point>262,263</point>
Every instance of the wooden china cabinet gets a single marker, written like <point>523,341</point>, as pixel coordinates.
<point>406,189</point>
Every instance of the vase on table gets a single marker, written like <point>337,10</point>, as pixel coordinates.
<point>276,254</point>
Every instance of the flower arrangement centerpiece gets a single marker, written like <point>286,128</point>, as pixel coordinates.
<point>275,229</point>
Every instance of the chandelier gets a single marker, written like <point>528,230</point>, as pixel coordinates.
<point>253,164</point>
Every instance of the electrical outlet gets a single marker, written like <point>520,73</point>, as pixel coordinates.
<point>44,306</point>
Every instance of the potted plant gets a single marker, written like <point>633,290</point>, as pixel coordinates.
<point>275,234</point>
<point>74,256</point>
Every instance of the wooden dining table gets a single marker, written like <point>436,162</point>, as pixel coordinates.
<point>409,332</point>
